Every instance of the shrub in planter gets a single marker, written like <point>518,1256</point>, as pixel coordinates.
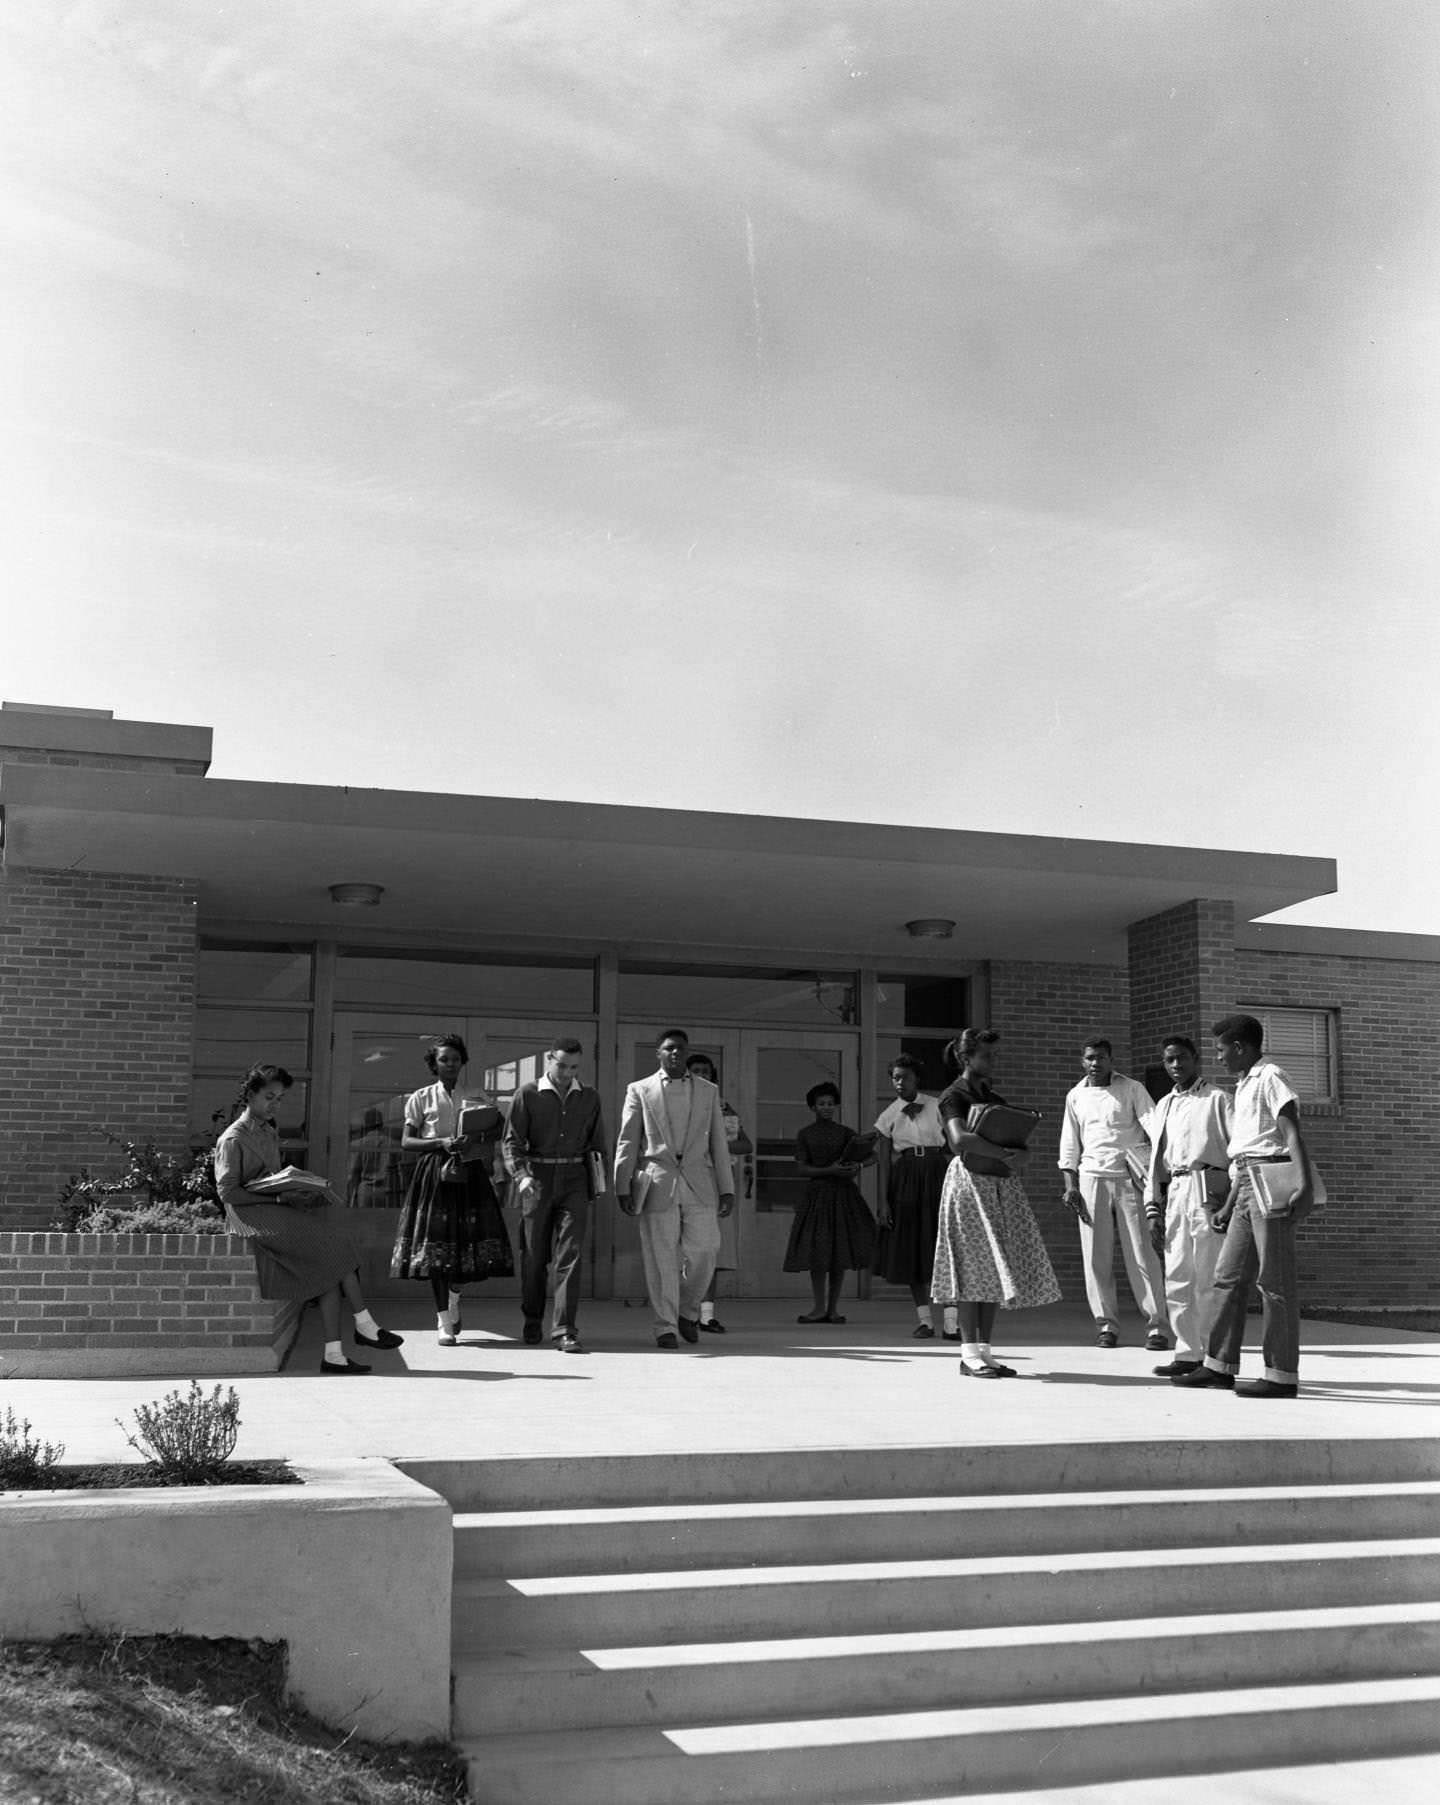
<point>156,1193</point>
<point>187,1437</point>
<point>25,1463</point>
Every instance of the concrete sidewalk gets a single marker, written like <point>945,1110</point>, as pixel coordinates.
<point>767,1384</point>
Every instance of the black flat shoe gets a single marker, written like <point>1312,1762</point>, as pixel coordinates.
<point>712,1327</point>
<point>1002,1372</point>
<point>1204,1378</point>
<point>533,1334</point>
<point>922,1332</point>
<point>689,1329</point>
<point>342,1366</point>
<point>666,1341</point>
<point>1265,1388</point>
<point>386,1338</point>
<point>832,1319</point>
<point>985,1372</point>
<point>819,1316</point>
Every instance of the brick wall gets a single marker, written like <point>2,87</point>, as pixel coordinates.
<point>130,1291</point>
<point>1182,976</point>
<point>1378,1239</point>
<point>97,1026</point>
<point>1045,1013</point>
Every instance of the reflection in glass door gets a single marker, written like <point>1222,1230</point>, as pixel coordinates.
<point>378,1062</point>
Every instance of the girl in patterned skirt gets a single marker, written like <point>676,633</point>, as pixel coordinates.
<point>988,1251</point>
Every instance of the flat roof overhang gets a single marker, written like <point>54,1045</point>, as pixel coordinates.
<point>471,869</point>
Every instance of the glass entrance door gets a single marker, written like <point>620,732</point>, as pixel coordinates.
<point>764,1074</point>
<point>378,1061</point>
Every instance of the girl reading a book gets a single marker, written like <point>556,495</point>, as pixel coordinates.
<point>298,1232</point>
<point>833,1232</point>
<point>451,1231</point>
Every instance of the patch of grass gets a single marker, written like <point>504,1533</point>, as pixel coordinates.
<point>177,1720</point>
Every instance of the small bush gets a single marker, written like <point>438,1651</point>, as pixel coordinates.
<point>187,1437</point>
<point>156,1193</point>
<point>25,1463</point>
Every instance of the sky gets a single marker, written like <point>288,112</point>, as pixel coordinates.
<point>1016,415</point>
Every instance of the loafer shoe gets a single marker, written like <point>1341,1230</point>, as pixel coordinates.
<point>689,1328</point>
<point>951,1335</point>
<point>1001,1371</point>
<point>386,1338</point>
<point>1172,1369</point>
<point>1205,1378</point>
<point>712,1326</point>
<point>342,1366</point>
<point>1107,1338</point>
<point>568,1344</point>
<point>922,1332</point>
<point>1265,1388</point>
<point>1157,1341</point>
<point>666,1341</point>
<point>980,1372</point>
<point>532,1334</point>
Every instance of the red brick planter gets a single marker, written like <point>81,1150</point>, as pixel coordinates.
<point>72,1305</point>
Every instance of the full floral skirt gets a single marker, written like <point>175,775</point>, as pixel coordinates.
<point>833,1230</point>
<point>989,1249</point>
<point>299,1252</point>
<point>451,1228</point>
<point>905,1251</point>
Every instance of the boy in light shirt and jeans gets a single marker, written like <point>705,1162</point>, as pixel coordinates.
<point>1259,1249</point>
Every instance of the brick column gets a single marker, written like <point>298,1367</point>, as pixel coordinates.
<point>1182,977</point>
<point>97,1026</point>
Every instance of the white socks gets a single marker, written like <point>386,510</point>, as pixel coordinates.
<point>707,1311</point>
<point>366,1324</point>
<point>972,1356</point>
<point>335,1353</point>
<point>455,1297</point>
<point>952,1320</point>
<point>923,1314</point>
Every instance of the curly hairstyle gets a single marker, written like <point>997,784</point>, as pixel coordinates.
<point>438,1046</point>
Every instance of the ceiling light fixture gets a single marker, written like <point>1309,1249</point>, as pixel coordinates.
<point>356,896</point>
<point>930,927</point>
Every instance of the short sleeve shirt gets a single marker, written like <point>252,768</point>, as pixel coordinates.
<point>1260,1095</point>
<point>923,1130</point>
<point>431,1114</point>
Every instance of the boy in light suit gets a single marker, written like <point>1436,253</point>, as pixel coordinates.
<point>672,1173</point>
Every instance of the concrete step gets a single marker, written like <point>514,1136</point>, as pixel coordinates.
<point>1397,1779</point>
<point>868,1597</point>
<point>827,1760</point>
<point>541,1690</point>
<point>598,1480</point>
<point>634,1538</point>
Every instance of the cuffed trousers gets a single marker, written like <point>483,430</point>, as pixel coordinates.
<point>1115,1208</point>
<point>1192,1249</point>
<point>1257,1250</point>
<point>679,1244</point>
<point>552,1239</point>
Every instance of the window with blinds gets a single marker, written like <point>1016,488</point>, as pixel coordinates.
<point>1303,1041</point>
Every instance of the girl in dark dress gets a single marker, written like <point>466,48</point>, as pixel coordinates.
<point>833,1232</point>
<point>451,1230</point>
<point>988,1250</point>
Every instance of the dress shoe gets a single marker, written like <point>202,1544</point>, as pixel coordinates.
<point>1157,1341</point>
<point>1173,1368</point>
<point>533,1334</point>
<point>666,1341</point>
<point>951,1335</point>
<point>342,1366</point>
<point>386,1338</point>
<point>710,1325</point>
<point>689,1328</point>
<point>1265,1388</point>
<point>1000,1371</point>
<point>1107,1338</point>
<point>568,1344</point>
<point>977,1372</point>
<point>1205,1378</point>
<point>922,1332</point>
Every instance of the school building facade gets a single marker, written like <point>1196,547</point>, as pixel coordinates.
<point>161,930</point>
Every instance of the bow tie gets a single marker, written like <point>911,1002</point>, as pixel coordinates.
<point>912,1109</point>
